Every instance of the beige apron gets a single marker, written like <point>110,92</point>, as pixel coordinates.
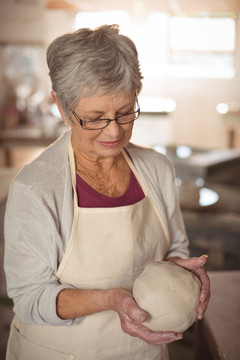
<point>109,247</point>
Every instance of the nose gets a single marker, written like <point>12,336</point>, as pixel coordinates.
<point>113,130</point>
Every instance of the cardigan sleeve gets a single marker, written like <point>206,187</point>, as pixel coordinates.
<point>31,256</point>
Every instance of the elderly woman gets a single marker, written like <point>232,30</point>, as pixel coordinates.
<point>85,218</point>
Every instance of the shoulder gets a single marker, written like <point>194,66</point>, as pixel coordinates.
<point>46,168</point>
<point>40,196</point>
<point>149,158</point>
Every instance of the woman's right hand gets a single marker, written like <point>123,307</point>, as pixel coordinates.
<point>132,317</point>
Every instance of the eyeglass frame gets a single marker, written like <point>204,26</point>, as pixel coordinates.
<point>81,122</point>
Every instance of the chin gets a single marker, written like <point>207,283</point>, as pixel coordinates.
<point>109,152</point>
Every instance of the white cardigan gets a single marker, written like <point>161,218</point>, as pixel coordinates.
<point>38,222</point>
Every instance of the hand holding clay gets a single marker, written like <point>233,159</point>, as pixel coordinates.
<point>170,294</point>
<point>195,265</point>
<point>131,318</point>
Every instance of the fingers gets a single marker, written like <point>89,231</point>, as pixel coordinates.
<point>132,316</point>
<point>136,329</point>
<point>202,307</point>
<point>205,291</point>
<point>195,265</point>
<point>156,337</point>
<point>205,283</point>
<point>128,308</point>
<point>191,263</point>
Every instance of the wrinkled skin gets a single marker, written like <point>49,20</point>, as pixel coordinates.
<point>131,316</point>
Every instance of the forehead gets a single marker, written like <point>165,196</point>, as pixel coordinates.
<point>106,102</point>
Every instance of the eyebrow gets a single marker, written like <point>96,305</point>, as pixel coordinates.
<point>99,112</point>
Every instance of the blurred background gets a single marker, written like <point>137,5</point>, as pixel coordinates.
<point>190,104</point>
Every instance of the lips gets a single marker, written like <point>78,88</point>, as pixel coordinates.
<point>110,144</point>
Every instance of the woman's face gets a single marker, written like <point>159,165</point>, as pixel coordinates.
<point>107,142</point>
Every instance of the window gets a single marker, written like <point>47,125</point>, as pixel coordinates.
<point>190,45</point>
<point>202,46</point>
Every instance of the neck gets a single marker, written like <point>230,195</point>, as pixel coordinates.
<point>109,176</point>
<point>91,163</point>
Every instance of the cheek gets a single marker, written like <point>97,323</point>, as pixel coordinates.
<point>128,132</point>
<point>87,140</point>
<point>83,139</point>
<point>83,136</point>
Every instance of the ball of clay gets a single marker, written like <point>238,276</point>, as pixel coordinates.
<point>170,295</point>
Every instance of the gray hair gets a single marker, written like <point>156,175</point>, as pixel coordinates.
<point>87,62</point>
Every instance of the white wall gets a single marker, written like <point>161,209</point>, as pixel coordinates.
<point>21,21</point>
<point>195,121</point>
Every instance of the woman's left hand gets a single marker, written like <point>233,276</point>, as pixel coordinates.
<point>195,265</point>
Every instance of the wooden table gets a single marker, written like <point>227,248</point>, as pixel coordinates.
<point>218,334</point>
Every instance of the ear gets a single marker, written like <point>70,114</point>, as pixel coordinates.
<point>55,99</point>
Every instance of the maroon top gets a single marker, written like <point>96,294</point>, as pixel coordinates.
<point>90,198</point>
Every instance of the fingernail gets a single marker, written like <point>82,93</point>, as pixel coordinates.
<point>205,255</point>
<point>179,337</point>
<point>141,317</point>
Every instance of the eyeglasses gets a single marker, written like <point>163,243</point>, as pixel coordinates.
<point>99,124</point>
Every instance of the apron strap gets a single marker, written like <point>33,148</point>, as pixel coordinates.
<point>146,193</point>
